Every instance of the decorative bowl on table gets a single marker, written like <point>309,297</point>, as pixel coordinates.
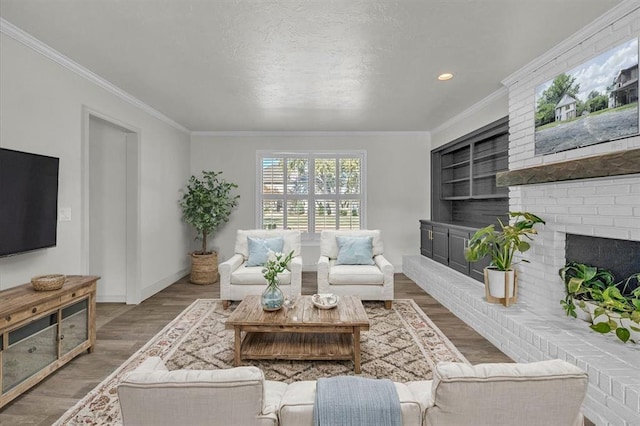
<point>325,300</point>
<point>48,282</point>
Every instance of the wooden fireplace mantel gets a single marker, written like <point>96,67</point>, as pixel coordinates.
<point>613,164</point>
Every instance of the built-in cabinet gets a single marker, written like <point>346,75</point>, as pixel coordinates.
<point>445,243</point>
<point>464,195</point>
<point>40,331</point>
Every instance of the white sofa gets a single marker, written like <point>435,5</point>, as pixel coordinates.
<point>540,393</point>
<point>152,395</point>
<point>369,282</point>
<point>238,280</point>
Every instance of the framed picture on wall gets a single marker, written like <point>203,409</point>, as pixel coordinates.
<point>592,103</point>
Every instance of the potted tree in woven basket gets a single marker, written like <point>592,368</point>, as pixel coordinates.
<point>206,204</point>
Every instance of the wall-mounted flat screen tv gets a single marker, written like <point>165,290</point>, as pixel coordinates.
<point>594,102</point>
<point>28,201</point>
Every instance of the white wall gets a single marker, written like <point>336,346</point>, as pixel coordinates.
<point>490,109</point>
<point>41,106</point>
<point>398,181</point>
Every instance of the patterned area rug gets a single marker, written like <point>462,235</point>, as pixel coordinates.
<point>402,344</point>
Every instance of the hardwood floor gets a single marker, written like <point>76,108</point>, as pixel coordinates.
<point>123,329</point>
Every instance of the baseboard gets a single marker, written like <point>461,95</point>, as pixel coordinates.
<point>117,298</point>
<point>160,285</point>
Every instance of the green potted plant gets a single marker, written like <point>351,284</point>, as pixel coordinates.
<point>206,204</point>
<point>501,246</point>
<point>611,307</point>
<point>583,283</point>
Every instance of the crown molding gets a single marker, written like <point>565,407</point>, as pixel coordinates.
<point>599,24</point>
<point>47,51</point>
<point>473,109</point>
<point>299,133</point>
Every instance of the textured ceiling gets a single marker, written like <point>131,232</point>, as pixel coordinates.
<point>306,65</point>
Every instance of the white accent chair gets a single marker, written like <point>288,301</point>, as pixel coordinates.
<point>152,395</point>
<point>238,280</point>
<point>369,282</point>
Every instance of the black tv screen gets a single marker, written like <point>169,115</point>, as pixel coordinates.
<point>28,201</point>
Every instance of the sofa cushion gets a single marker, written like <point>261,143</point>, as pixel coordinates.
<point>273,392</point>
<point>291,240</point>
<point>329,244</point>
<point>355,274</point>
<point>259,249</point>
<point>252,275</point>
<point>355,250</point>
<point>546,392</point>
<point>296,407</point>
<point>163,397</point>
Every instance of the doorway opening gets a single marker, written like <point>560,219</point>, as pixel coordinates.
<point>111,206</point>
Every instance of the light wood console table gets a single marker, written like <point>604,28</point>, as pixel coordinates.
<point>40,331</point>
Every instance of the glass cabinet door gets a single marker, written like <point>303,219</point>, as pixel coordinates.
<point>31,348</point>
<point>74,329</point>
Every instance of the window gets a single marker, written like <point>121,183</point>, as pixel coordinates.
<point>311,192</point>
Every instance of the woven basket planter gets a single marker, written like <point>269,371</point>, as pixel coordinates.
<point>204,268</point>
<point>48,282</point>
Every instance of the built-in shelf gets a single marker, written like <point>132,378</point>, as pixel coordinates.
<point>454,165</point>
<point>464,179</point>
<point>498,154</point>
<point>463,176</point>
<point>491,197</point>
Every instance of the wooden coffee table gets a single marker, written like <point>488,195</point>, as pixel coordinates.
<point>303,332</point>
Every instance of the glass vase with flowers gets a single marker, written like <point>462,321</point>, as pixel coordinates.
<point>272,297</point>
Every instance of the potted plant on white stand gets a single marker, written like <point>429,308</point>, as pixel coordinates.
<point>206,204</point>
<point>500,277</point>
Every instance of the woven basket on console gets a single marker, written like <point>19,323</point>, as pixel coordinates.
<point>204,268</point>
<point>48,282</point>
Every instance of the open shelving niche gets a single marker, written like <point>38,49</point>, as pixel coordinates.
<point>464,195</point>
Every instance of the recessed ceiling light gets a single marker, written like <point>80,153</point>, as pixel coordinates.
<point>445,76</point>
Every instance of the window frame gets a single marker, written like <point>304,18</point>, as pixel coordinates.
<point>311,197</point>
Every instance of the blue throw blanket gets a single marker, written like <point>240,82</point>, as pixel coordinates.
<point>356,401</point>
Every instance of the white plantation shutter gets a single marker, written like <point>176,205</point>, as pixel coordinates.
<point>311,191</point>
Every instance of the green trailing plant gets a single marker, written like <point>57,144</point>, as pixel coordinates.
<point>207,203</point>
<point>583,282</point>
<point>615,303</point>
<point>502,245</point>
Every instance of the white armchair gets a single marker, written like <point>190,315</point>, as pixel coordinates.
<point>238,280</point>
<point>369,282</point>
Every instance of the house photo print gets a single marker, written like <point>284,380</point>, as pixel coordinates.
<point>592,103</point>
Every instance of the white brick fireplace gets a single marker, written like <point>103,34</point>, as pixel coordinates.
<point>536,328</point>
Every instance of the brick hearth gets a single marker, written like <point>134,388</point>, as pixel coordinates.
<point>526,334</point>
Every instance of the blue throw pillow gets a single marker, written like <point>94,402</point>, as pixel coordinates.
<point>355,251</point>
<point>259,249</point>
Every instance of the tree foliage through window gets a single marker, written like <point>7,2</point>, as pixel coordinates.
<point>311,192</point>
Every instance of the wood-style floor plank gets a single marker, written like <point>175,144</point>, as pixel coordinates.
<point>123,329</point>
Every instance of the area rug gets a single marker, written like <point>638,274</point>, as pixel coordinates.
<point>402,344</point>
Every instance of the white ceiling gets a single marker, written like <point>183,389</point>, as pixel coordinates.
<point>304,65</point>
